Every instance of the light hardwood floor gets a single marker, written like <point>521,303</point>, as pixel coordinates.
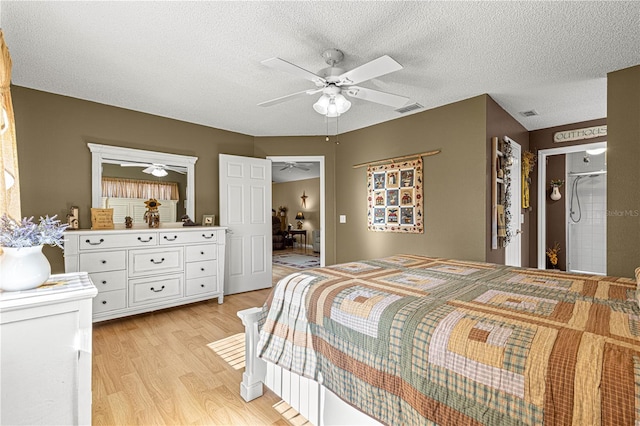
<point>156,368</point>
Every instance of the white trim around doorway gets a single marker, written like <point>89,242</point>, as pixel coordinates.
<point>323,204</point>
<point>542,191</point>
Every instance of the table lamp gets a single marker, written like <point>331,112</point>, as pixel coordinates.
<point>299,218</point>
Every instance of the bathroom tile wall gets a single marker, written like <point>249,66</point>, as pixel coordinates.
<point>586,226</point>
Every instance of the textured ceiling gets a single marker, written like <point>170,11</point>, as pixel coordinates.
<point>200,61</point>
<point>286,171</point>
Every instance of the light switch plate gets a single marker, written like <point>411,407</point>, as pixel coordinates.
<point>343,218</point>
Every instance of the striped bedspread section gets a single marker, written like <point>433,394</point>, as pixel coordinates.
<point>419,340</point>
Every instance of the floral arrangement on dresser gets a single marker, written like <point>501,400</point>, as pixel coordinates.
<point>23,266</point>
<point>26,233</point>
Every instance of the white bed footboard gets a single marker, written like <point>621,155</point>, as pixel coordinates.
<point>312,400</point>
<point>255,369</point>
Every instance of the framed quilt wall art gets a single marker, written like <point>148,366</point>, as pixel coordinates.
<point>395,197</point>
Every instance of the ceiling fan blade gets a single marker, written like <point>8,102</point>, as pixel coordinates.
<point>301,168</point>
<point>176,169</point>
<point>376,96</point>
<point>381,66</point>
<point>282,65</point>
<point>134,164</point>
<point>288,97</point>
<point>149,169</point>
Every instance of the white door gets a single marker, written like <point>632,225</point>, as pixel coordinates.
<point>245,209</point>
<point>513,251</point>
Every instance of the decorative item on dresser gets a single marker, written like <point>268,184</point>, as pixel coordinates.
<point>72,218</point>
<point>208,219</point>
<point>45,355</point>
<point>142,270</point>
<point>23,266</point>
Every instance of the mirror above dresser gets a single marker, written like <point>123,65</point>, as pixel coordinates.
<point>158,168</point>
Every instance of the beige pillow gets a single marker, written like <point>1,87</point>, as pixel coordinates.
<point>638,285</point>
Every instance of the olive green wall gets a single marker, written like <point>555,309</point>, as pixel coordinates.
<point>454,183</point>
<point>55,168</point>
<point>623,172</point>
<point>500,123</point>
<point>288,194</point>
<point>55,162</point>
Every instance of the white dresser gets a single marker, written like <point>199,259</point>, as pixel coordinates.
<point>45,362</point>
<point>141,269</point>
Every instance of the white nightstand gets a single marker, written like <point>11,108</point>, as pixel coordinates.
<point>45,356</point>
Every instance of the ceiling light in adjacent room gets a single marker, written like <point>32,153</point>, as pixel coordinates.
<point>596,151</point>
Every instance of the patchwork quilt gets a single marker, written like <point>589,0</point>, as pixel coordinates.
<point>417,340</point>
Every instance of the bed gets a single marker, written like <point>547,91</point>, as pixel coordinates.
<point>419,340</point>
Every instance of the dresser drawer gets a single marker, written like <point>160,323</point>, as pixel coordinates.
<point>107,241</point>
<point>109,301</point>
<point>108,281</point>
<point>103,261</point>
<point>200,236</point>
<point>201,269</point>
<point>155,261</point>
<point>201,285</point>
<point>148,290</point>
<point>201,252</point>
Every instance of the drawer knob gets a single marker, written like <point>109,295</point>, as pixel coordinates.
<point>104,262</point>
<point>145,241</point>
<point>104,302</point>
<point>157,262</point>
<point>202,253</point>
<point>157,291</point>
<point>202,269</point>
<point>104,282</point>
<point>202,285</point>
<point>208,238</point>
<point>175,237</point>
<point>95,244</point>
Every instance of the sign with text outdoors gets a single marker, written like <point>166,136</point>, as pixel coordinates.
<point>578,134</point>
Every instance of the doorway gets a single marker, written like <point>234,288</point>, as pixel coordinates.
<point>513,251</point>
<point>582,209</point>
<point>296,164</point>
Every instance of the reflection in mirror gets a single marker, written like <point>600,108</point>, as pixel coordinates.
<point>124,178</point>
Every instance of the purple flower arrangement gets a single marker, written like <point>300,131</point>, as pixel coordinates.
<point>28,234</point>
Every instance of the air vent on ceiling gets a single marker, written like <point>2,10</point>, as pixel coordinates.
<point>529,113</point>
<point>410,107</point>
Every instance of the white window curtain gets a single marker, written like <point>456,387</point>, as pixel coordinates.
<point>132,188</point>
<point>9,180</point>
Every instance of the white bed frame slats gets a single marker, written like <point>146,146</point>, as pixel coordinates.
<point>312,400</point>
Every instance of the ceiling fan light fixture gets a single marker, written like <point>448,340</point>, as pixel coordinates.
<point>342,104</point>
<point>159,172</point>
<point>596,151</point>
<point>322,104</point>
<point>332,106</point>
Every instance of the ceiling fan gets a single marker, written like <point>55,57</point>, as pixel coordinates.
<point>290,165</point>
<point>334,83</point>
<point>155,169</point>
